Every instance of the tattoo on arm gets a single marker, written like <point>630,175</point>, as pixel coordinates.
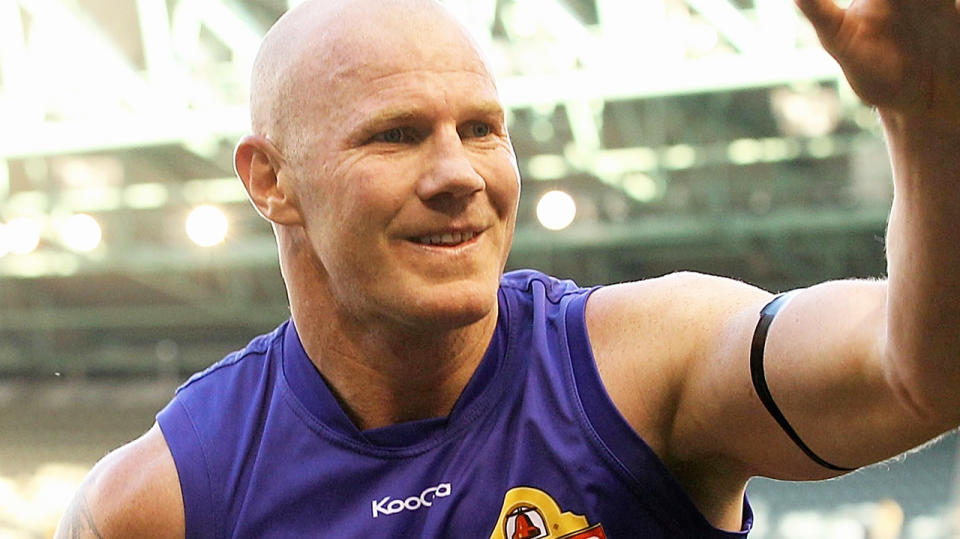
<point>78,521</point>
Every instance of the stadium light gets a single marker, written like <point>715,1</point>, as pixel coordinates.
<point>206,226</point>
<point>556,210</point>
<point>81,233</point>
<point>22,235</point>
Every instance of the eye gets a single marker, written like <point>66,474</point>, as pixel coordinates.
<point>479,129</point>
<point>395,135</point>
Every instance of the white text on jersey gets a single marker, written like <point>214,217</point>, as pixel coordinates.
<point>387,506</point>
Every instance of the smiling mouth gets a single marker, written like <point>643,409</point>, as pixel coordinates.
<point>447,239</point>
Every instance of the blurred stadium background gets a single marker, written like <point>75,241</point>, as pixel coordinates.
<point>653,135</point>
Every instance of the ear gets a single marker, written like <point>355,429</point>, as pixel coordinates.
<point>261,168</point>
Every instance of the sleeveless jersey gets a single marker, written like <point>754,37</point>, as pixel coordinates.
<point>532,449</point>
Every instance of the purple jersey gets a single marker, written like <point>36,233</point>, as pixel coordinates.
<point>533,448</point>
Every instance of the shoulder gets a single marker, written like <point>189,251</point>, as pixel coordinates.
<point>525,280</point>
<point>646,312</point>
<point>674,303</point>
<point>646,336</point>
<point>132,492</point>
<point>532,288</point>
<point>248,361</point>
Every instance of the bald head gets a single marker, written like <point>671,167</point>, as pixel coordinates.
<point>316,46</point>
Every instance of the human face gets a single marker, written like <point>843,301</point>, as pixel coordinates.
<point>408,182</point>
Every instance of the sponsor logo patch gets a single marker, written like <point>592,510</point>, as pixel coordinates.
<point>391,506</point>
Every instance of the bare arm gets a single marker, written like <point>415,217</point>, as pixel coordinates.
<point>904,58</point>
<point>893,352</point>
<point>133,492</point>
<point>862,370</point>
<point>78,521</point>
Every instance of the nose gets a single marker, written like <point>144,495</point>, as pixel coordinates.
<point>449,173</point>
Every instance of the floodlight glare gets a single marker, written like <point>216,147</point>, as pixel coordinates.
<point>22,235</point>
<point>81,233</point>
<point>556,210</point>
<point>206,226</point>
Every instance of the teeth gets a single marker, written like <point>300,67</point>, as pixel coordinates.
<point>448,238</point>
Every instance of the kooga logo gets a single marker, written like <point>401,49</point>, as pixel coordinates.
<point>386,506</point>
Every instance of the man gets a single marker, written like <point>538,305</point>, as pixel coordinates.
<point>418,393</point>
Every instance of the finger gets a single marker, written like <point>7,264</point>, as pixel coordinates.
<point>826,18</point>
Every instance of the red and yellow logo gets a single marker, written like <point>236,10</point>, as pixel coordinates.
<point>530,513</point>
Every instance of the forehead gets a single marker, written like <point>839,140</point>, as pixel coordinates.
<point>411,59</point>
<point>398,38</point>
<point>416,98</point>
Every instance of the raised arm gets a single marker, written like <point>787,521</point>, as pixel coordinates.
<point>133,492</point>
<point>904,58</point>
<point>862,370</point>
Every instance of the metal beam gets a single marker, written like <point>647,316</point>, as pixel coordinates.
<point>235,29</point>
<point>71,44</point>
<point>691,76</point>
<point>260,252</point>
<point>162,67</point>
<point>18,105</point>
<point>732,24</point>
<point>251,252</point>
<point>141,316</point>
<point>596,71</point>
<point>136,130</point>
<point>692,229</point>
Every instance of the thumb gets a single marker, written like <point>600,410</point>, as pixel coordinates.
<point>826,18</point>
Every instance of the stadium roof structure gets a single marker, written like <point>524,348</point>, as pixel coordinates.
<point>712,135</point>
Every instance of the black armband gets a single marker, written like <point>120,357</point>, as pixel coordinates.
<point>767,315</point>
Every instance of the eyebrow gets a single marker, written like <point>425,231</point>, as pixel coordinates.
<point>488,109</point>
<point>399,115</point>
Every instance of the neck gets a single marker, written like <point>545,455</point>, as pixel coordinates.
<point>383,371</point>
<point>385,375</point>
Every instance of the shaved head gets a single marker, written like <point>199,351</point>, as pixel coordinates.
<point>316,45</point>
<point>377,124</point>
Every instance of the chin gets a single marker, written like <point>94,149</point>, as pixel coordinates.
<point>453,305</point>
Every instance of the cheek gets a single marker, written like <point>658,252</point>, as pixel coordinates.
<point>376,190</point>
<point>503,183</point>
<point>340,193</point>
<point>354,219</point>
<point>376,196</point>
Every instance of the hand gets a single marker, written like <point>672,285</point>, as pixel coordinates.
<point>901,56</point>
